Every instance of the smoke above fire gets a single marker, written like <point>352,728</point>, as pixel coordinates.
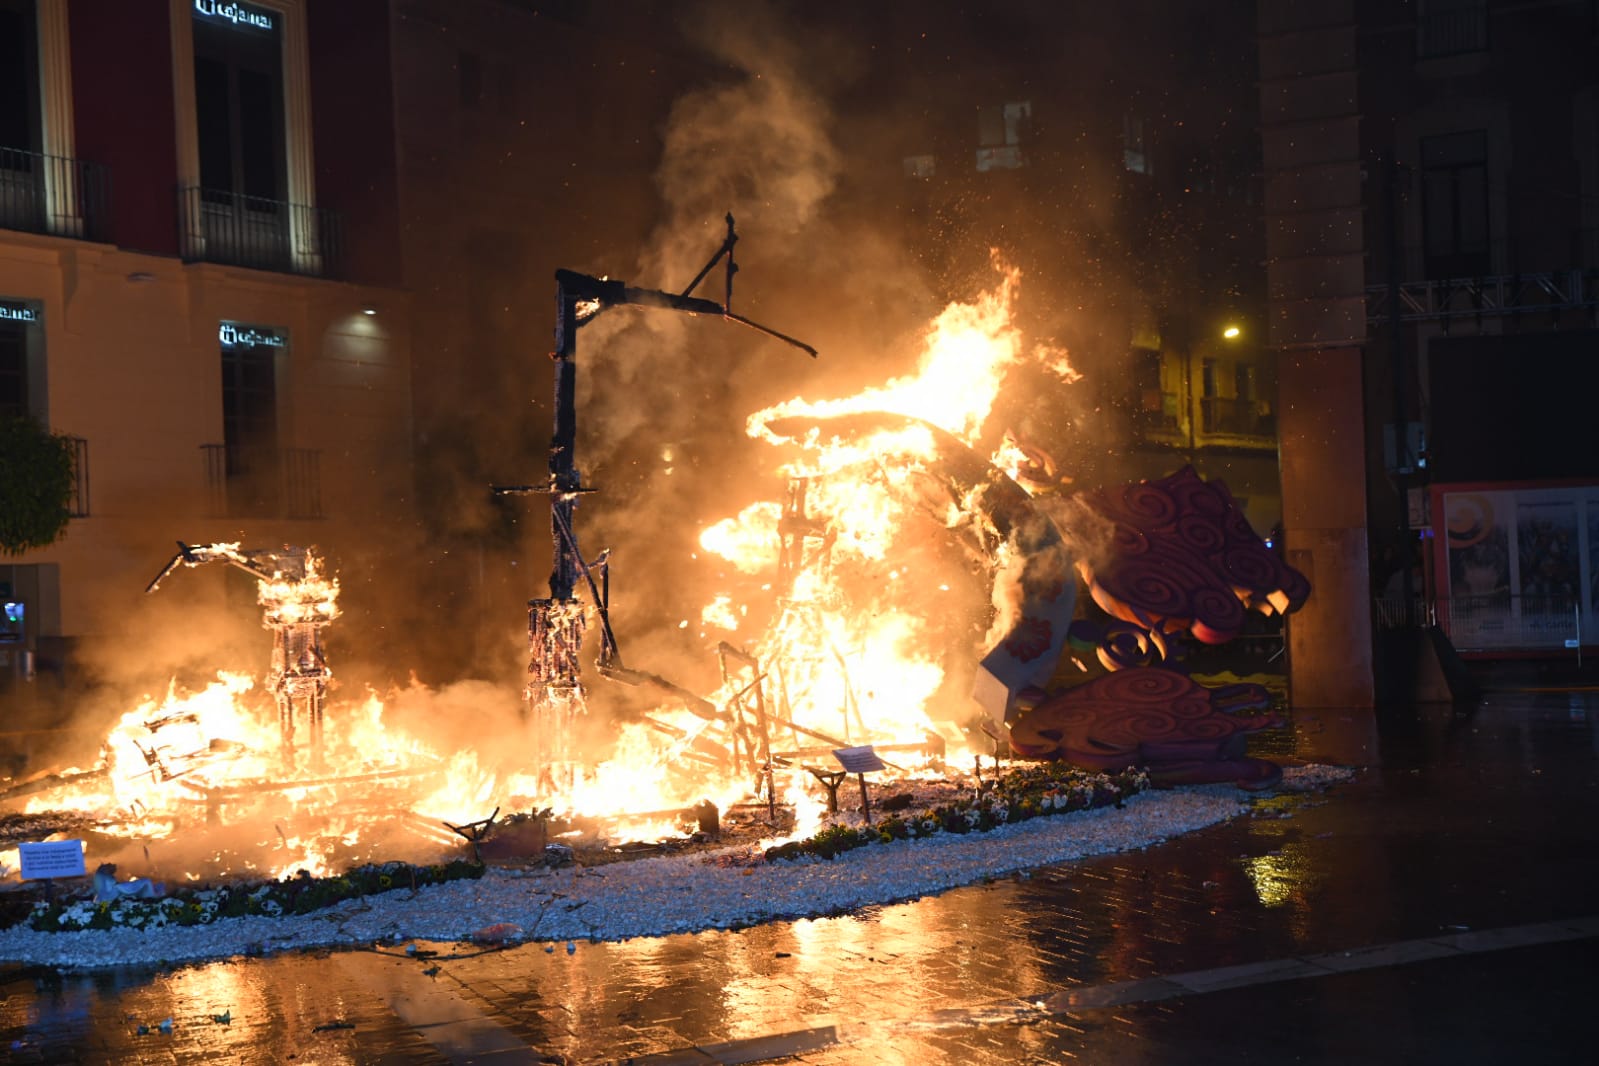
<point>827,519</point>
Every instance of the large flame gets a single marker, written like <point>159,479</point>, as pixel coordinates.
<point>845,607</point>
<point>848,558</point>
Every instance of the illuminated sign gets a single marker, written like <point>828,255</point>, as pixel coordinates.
<point>19,312</point>
<point>238,14</point>
<point>231,334</point>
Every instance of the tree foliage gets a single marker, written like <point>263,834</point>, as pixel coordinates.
<point>36,481</point>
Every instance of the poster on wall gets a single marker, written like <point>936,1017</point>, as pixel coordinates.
<point>1478,545</point>
<point>1593,553</point>
<point>1548,562</point>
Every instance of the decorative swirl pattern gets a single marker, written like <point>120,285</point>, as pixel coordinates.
<point>1182,556</point>
<point>1148,503</point>
<point>1200,534</point>
<point>1157,719</point>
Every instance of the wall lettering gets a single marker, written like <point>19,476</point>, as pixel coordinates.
<point>232,334</point>
<point>237,14</point>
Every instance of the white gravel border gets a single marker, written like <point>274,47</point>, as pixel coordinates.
<point>677,894</point>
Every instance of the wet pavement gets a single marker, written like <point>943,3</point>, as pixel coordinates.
<point>1439,908</point>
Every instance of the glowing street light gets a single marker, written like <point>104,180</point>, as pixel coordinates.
<point>1232,333</point>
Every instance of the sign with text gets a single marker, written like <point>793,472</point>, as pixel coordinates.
<point>12,311</point>
<point>235,14</point>
<point>859,760</point>
<point>51,858</point>
<point>232,334</point>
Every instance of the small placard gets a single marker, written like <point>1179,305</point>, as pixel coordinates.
<point>51,858</point>
<point>859,760</point>
<point>1573,643</point>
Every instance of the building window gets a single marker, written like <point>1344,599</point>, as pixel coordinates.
<point>918,166</point>
<point>1244,378</point>
<point>1455,204</point>
<point>13,371</point>
<point>250,417</point>
<point>1135,151</point>
<point>1451,27</point>
<point>21,362</point>
<point>1215,410</point>
<point>1002,131</point>
<point>242,94</point>
<point>19,78</point>
<point>238,95</point>
<point>469,73</point>
<point>21,179</point>
<point>1159,402</point>
<point>238,99</point>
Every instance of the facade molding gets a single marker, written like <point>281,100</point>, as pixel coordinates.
<point>55,96</point>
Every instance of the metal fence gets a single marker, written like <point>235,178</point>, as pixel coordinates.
<point>251,231</point>
<point>53,194</point>
<point>1491,623</point>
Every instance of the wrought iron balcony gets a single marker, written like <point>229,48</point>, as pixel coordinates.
<point>1459,28</point>
<point>263,482</point>
<point>217,226</point>
<point>53,194</point>
<point>1161,413</point>
<point>78,506</point>
<point>1231,416</point>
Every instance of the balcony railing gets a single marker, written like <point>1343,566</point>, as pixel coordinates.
<point>263,482</point>
<point>251,231</point>
<point>1457,29</point>
<point>1161,413</point>
<point>1231,416</point>
<point>53,194</point>
<point>78,506</point>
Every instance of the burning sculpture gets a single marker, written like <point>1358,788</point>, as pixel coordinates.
<point>907,557</point>
<point>296,601</point>
<point>556,623</point>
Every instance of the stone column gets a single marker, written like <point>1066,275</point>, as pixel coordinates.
<point>1317,324</point>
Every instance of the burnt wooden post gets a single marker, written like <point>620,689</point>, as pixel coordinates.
<point>554,693</point>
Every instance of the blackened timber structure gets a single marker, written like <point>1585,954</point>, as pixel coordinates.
<point>556,623</point>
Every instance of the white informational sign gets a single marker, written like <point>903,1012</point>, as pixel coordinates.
<point>51,858</point>
<point>859,760</point>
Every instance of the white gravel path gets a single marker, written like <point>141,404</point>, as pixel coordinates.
<point>655,897</point>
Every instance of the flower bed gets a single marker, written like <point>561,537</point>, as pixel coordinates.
<point>292,895</point>
<point>1025,792</point>
<point>1019,794</point>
